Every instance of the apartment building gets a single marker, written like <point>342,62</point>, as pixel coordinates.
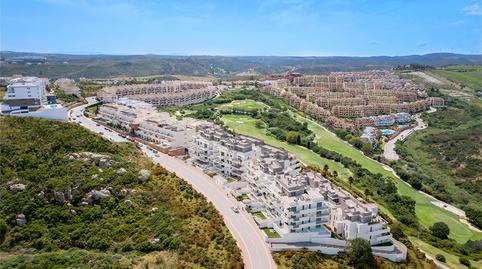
<point>167,133</point>
<point>163,94</point>
<point>219,151</point>
<point>119,115</point>
<point>27,97</point>
<point>303,207</point>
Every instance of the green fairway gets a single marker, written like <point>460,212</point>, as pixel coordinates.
<point>451,260</point>
<point>247,104</point>
<point>427,212</point>
<point>245,125</point>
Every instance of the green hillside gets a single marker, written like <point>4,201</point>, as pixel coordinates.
<point>99,211</point>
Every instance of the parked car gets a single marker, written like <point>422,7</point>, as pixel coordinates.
<point>235,209</point>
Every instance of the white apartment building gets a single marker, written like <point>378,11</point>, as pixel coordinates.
<point>26,96</point>
<point>142,120</point>
<point>166,131</point>
<point>303,207</point>
<point>220,152</point>
<point>24,93</point>
<point>119,115</point>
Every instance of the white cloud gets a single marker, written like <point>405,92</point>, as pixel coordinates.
<point>473,9</point>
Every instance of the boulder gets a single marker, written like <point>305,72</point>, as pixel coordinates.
<point>121,171</point>
<point>59,197</point>
<point>128,203</point>
<point>17,187</point>
<point>21,220</point>
<point>124,192</point>
<point>144,175</point>
<point>103,161</point>
<point>95,176</point>
<point>68,194</point>
<point>154,240</point>
<point>153,210</point>
<point>95,195</point>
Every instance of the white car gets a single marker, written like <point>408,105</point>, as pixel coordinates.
<point>235,209</point>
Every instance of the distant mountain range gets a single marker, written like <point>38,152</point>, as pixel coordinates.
<point>105,66</point>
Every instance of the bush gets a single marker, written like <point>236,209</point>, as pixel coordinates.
<point>440,230</point>
<point>360,254</point>
<point>440,257</point>
<point>464,261</point>
<point>3,229</point>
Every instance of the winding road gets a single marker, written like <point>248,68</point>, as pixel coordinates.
<point>389,148</point>
<point>250,239</point>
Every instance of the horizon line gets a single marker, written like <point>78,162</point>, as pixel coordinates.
<point>229,55</point>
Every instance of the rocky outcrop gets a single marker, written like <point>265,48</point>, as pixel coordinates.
<point>15,187</point>
<point>63,197</point>
<point>121,171</point>
<point>21,220</point>
<point>95,195</point>
<point>144,175</point>
<point>101,160</point>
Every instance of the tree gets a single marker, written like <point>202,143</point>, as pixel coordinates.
<point>335,173</point>
<point>259,124</point>
<point>440,230</point>
<point>360,254</point>
<point>350,180</point>
<point>440,257</point>
<point>325,170</point>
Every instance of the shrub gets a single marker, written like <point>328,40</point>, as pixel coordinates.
<point>440,230</point>
<point>440,257</point>
<point>464,261</point>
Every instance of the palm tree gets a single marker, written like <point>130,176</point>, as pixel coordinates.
<point>350,180</point>
<point>335,174</point>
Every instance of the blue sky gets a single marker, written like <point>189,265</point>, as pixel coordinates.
<point>242,27</point>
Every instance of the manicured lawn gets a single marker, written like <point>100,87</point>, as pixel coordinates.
<point>451,260</point>
<point>245,125</point>
<point>427,212</point>
<point>271,233</point>
<point>260,215</point>
<point>246,104</point>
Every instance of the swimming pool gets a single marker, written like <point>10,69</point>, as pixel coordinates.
<point>387,132</point>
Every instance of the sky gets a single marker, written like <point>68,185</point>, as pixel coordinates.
<point>242,27</point>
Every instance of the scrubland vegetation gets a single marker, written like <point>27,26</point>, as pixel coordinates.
<point>161,222</point>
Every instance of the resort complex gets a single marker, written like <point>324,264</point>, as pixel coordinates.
<point>353,100</point>
<point>166,93</point>
<point>301,206</point>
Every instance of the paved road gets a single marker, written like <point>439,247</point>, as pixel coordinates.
<point>76,114</point>
<point>389,147</point>
<point>255,251</point>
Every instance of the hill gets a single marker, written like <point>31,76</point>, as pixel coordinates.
<point>71,199</point>
<point>104,66</point>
